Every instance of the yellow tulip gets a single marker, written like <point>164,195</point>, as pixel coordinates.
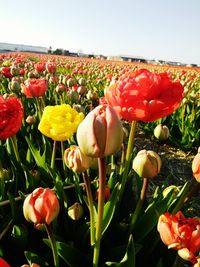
<point>60,122</point>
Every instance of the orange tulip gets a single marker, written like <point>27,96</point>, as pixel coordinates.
<point>41,206</point>
<point>144,96</point>
<point>34,87</point>
<point>180,233</point>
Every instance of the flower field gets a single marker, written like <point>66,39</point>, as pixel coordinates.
<point>76,188</point>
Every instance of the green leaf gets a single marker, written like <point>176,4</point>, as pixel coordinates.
<point>36,154</point>
<point>72,256</point>
<point>150,218</point>
<point>109,208</point>
<point>129,257</point>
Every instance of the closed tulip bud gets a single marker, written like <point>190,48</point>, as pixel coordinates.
<point>104,132</point>
<point>14,86</point>
<point>70,82</point>
<point>82,81</point>
<point>147,164</point>
<point>31,119</point>
<point>81,90</point>
<point>75,212</point>
<point>79,108</point>
<point>76,160</point>
<point>60,88</point>
<point>161,132</point>
<point>196,167</point>
<point>73,96</point>
<point>91,95</point>
<point>41,206</point>
<point>33,74</point>
<point>14,71</point>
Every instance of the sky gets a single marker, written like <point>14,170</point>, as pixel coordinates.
<point>152,29</point>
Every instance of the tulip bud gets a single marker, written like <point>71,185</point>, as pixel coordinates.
<point>82,81</point>
<point>70,82</point>
<point>31,119</point>
<point>79,108</point>
<point>41,206</point>
<point>73,96</point>
<point>14,86</point>
<point>14,71</point>
<point>91,95</point>
<point>75,212</point>
<point>60,88</point>
<point>196,167</point>
<point>81,90</point>
<point>76,160</point>
<point>104,132</point>
<point>147,164</point>
<point>161,132</point>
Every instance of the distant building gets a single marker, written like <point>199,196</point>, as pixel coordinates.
<point>6,47</point>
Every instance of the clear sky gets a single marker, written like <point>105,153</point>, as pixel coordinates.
<point>153,29</point>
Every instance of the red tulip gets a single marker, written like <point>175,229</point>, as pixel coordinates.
<point>51,67</point>
<point>11,115</point>
<point>40,66</point>
<point>34,87</point>
<point>6,71</point>
<point>3,263</point>
<point>180,233</point>
<point>144,95</point>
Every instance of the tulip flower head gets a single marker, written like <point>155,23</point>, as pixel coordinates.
<point>181,234</point>
<point>3,263</point>
<point>161,132</point>
<point>41,206</point>
<point>144,96</point>
<point>147,164</point>
<point>34,87</point>
<point>11,115</point>
<point>100,134</point>
<point>196,167</point>
<point>60,122</point>
<point>51,67</point>
<point>76,160</point>
<point>40,66</point>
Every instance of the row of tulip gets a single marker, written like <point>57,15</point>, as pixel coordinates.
<point>68,166</point>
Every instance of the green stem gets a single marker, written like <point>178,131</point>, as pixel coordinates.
<point>63,151</point>
<point>101,197</point>
<point>39,108</point>
<point>53,155</point>
<point>15,147</point>
<point>139,205</point>
<point>127,159</point>
<point>53,244</point>
<point>87,182</point>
